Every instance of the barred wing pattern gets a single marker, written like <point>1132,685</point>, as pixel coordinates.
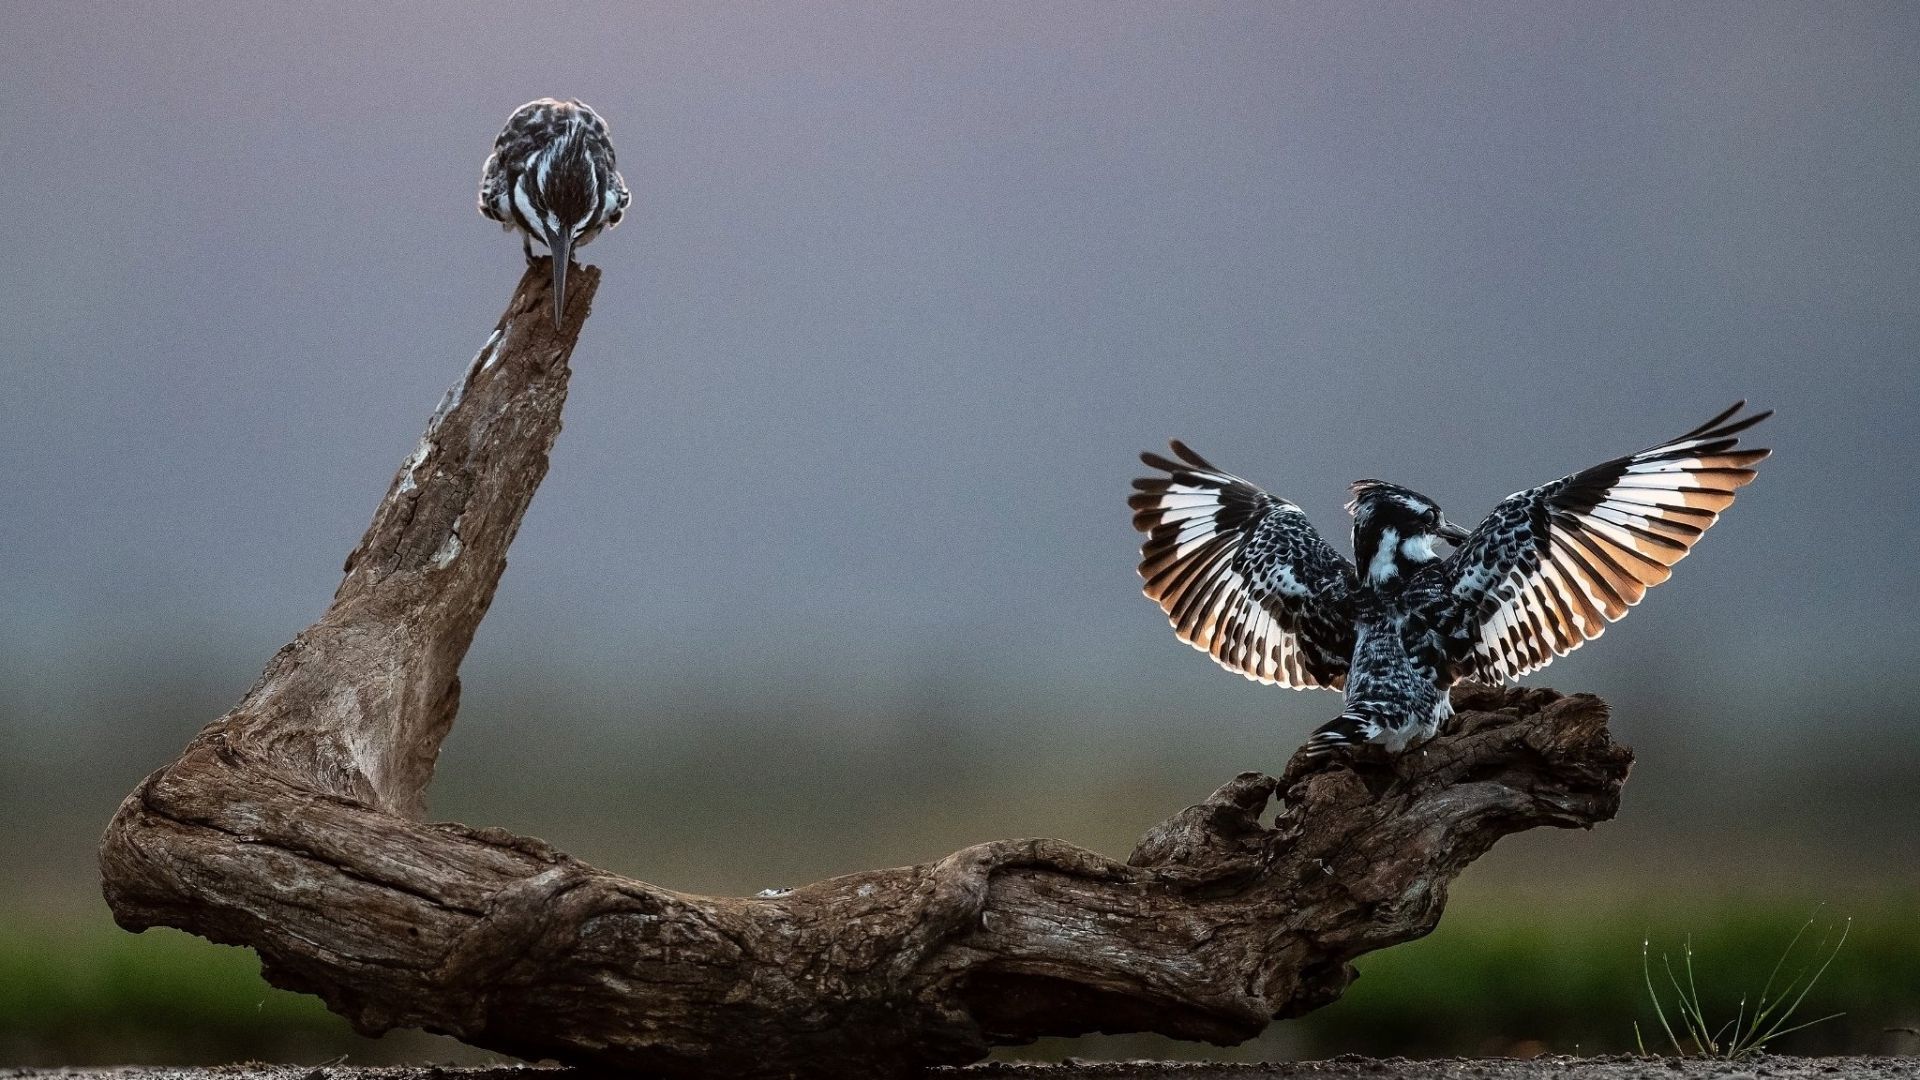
<point>1242,575</point>
<point>1550,567</point>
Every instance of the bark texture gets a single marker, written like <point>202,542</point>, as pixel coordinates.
<point>292,825</point>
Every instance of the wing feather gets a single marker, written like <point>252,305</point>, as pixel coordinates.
<point>1553,565</point>
<point>1242,575</point>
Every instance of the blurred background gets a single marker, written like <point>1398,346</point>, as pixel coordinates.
<point>833,568</point>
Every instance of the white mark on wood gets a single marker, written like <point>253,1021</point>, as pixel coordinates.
<point>483,360</point>
<point>450,549</point>
<point>412,464</point>
<point>366,753</point>
<point>454,394</point>
<point>448,401</point>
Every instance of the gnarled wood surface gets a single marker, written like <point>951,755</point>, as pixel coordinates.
<point>292,825</point>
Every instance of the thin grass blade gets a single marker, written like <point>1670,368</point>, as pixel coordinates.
<point>1756,1047</point>
<point>1765,1007</point>
<point>1773,1032</point>
<point>1646,971</point>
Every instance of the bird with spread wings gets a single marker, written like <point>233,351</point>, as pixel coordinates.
<point>1243,576</point>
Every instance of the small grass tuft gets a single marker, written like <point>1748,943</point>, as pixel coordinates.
<point>1746,1032</point>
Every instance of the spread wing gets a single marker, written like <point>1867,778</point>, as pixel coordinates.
<point>1242,575</point>
<point>1551,566</point>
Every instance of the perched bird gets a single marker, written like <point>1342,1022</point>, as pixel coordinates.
<point>1243,576</point>
<point>551,176</point>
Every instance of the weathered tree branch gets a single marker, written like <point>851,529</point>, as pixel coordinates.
<point>291,825</point>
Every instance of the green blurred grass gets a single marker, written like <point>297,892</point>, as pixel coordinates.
<point>87,993</point>
<point>1568,978</point>
<point>1497,977</point>
<point>92,994</point>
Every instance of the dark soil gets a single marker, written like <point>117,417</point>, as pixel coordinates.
<point>1341,1068</point>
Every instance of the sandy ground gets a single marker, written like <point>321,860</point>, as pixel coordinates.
<point>1544,1068</point>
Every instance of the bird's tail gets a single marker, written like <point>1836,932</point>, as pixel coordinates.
<point>1349,729</point>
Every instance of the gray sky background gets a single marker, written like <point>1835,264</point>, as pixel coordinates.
<point>903,291</point>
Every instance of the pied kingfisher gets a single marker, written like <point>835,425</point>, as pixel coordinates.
<point>551,176</point>
<point>1243,576</point>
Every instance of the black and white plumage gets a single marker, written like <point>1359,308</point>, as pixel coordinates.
<point>551,176</point>
<point>1244,577</point>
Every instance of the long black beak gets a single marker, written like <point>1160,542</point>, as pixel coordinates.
<point>561,245</point>
<point>1451,533</point>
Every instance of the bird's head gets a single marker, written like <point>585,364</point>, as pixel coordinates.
<point>570,188</point>
<point>564,196</point>
<point>1394,529</point>
<point>579,194</point>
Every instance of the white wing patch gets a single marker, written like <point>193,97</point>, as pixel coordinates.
<point>1288,584</point>
<point>524,202</point>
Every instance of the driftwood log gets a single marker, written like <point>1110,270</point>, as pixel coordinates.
<point>293,825</point>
